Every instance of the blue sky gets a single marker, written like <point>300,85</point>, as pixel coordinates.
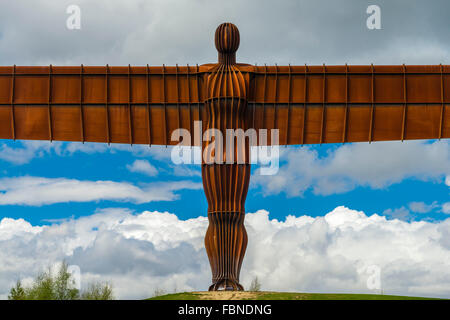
<point>103,163</point>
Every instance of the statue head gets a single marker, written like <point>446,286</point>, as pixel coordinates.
<point>227,42</point>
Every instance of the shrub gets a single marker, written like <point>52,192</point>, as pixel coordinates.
<point>98,291</point>
<point>60,286</point>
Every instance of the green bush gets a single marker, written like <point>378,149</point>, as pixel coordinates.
<point>59,287</point>
<point>17,292</point>
<point>98,291</point>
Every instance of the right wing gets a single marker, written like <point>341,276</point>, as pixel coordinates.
<point>136,105</point>
<point>338,104</point>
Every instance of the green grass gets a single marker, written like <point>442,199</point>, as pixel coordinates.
<point>178,296</point>
<point>291,296</point>
<point>331,296</point>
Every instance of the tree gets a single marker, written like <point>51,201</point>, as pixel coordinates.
<point>43,287</point>
<point>17,292</point>
<point>255,285</point>
<point>64,285</point>
<point>60,286</point>
<point>98,291</point>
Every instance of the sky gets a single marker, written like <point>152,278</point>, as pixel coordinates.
<point>335,218</point>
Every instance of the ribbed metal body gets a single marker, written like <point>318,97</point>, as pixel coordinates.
<point>225,171</point>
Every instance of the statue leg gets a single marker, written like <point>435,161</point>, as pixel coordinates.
<point>226,188</point>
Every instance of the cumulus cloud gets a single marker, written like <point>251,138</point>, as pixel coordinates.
<point>344,168</point>
<point>37,191</point>
<point>143,166</point>
<point>313,32</point>
<point>142,252</point>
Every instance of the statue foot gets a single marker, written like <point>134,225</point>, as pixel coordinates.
<point>226,285</point>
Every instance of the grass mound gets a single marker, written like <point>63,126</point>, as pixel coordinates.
<point>267,295</point>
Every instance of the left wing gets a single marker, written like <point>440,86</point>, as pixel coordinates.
<point>136,105</point>
<point>338,104</point>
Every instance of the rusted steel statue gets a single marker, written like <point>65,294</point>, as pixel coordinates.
<point>144,105</point>
<point>226,184</point>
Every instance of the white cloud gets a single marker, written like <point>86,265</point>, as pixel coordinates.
<point>415,207</point>
<point>186,170</point>
<point>10,228</point>
<point>401,213</point>
<point>446,208</point>
<point>422,207</point>
<point>28,150</point>
<point>143,166</point>
<point>377,165</point>
<point>36,191</point>
<point>24,152</point>
<point>156,152</point>
<point>142,252</point>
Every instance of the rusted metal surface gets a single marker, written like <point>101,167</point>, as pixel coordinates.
<point>308,104</point>
<point>137,105</point>
<point>143,105</point>
<point>354,103</point>
<point>226,185</point>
